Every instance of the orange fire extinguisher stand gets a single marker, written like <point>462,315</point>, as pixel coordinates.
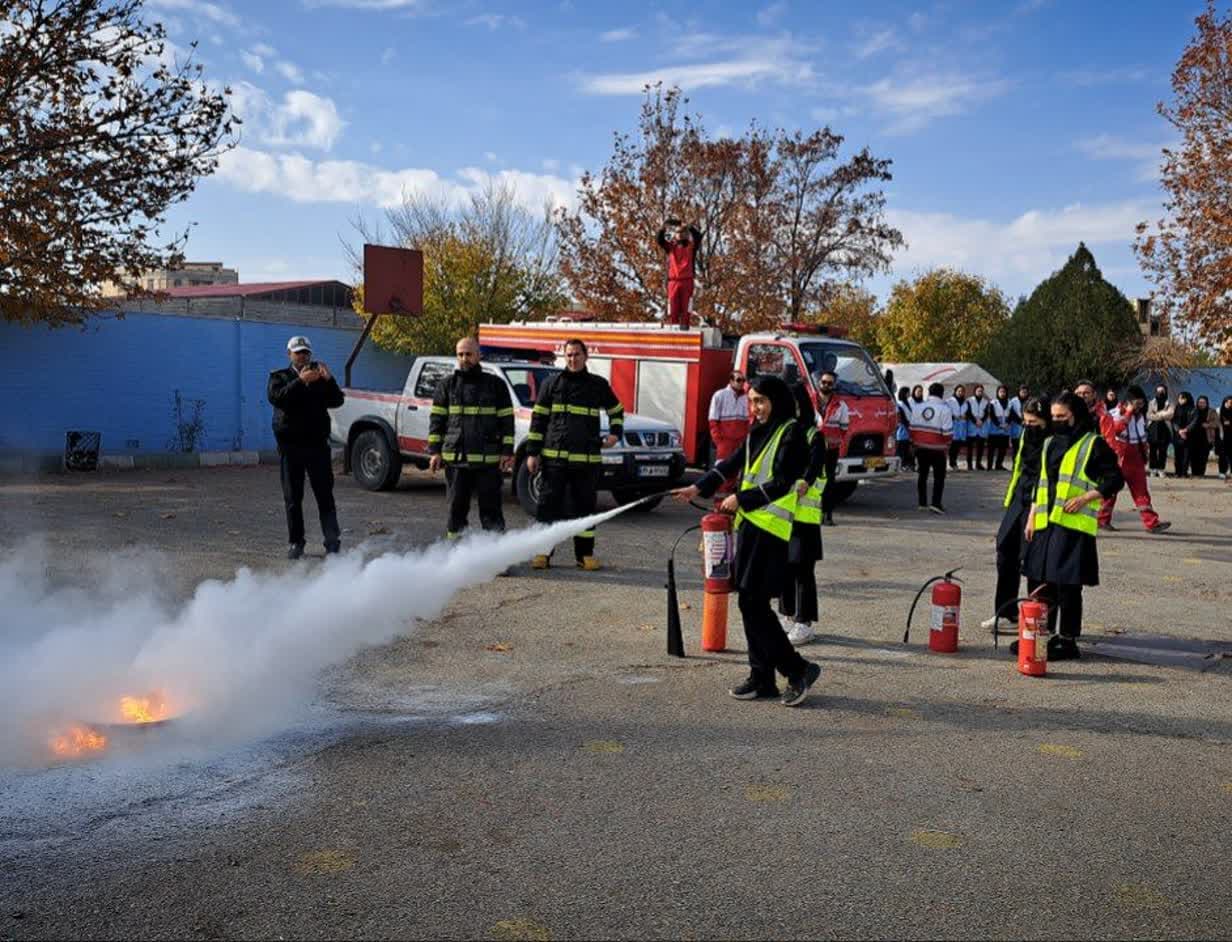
<point>946,606</point>
<point>717,554</point>
<point>1032,637</point>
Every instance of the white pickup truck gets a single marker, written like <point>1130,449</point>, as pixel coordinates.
<point>381,431</point>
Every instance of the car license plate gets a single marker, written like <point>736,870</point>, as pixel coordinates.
<point>653,471</point>
<point>873,463</point>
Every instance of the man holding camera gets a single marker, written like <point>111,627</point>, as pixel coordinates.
<point>682,261</point>
<point>302,395</point>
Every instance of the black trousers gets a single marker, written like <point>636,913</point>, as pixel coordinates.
<point>1225,455</point>
<point>799,599</point>
<point>975,447</point>
<point>828,492</point>
<point>955,448</point>
<point>313,460</point>
<point>769,649</point>
<point>566,493</point>
<point>1180,457</point>
<point>926,460</point>
<point>998,448</point>
<point>484,484</point>
<point>1067,598</point>
<point>1199,455</point>
<point>1158,457</point>
<point>1009,573</point>
<point>906,454</point>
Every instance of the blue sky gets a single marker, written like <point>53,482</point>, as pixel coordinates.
<point>1016,129</point>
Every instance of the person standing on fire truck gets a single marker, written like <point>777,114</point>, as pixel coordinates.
<point>564,440</point>
<point>834,422</point>
<point>471,433</point>
<point>682,262</point>
<point>729,417</point>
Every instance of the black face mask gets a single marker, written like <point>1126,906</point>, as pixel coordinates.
<point>1034,434</point>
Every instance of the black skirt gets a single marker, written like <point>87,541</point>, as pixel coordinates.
<point>761,562</point>
<point>1062,556</point>
<point>1012,525</point>
<point>805,545</point>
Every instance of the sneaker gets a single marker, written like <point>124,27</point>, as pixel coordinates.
<point>1062,648</point>
<point>922,507</point>
<point>295,551</point>
<point>754,689</point>
<point>542,561</point>
<point>828,520</point>
<point>1108,526</point>
<point>989,623</point>
<point>588,563</point>
<point>937,509</point>
<point>800,633</point>
<point>1161,526</point>
<point>798,689</point>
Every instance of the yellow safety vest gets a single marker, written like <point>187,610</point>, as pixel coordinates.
<point>808,507</point>
<point>1072,482</point>
<point>1009,491</point>
<point>776,517</point>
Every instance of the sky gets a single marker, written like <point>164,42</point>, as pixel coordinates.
<point>1016,129</point>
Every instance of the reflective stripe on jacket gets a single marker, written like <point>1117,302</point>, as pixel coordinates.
<point>808,507</point>
<point>1072,482</point>
<point>471,421</point>
<point>776,517</point>
<point>564,423</point>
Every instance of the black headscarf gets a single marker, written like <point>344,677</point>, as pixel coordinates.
<point>1064,435</point>
<point>782,409</point>
<point>1161,401</point>
<point>1225,413</point>
<point>804,406</point>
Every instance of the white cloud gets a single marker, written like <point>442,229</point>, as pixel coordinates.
<point>290,71</point>
<point>298,178</point>
<point>213,12</point>
<point>618,35</point>
<point>769,15</point>
<point>253,61</point>
<point>748,62</point>
<point>494,21</point>
<point>262,49</point>
<point>1085,78</point>
<point>1028,247</point>
<point>914,103</point>
<point>490,157</point>
<point>1146,155</point>
<point>302,119</point>
<point>879,42</point>
<point>551,165</point>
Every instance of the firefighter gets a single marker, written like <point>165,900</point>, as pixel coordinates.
<point>1019,496</point>
<point>471,433</point>
<point>682,263</point>
<point>1077,468</point>
<point>729,416</point>
<point>769,464</point>
<point>798,603</point>
<point>564,440</point>
<point>834,422</point>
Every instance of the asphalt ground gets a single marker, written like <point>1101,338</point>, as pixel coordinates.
<point>532,765</point>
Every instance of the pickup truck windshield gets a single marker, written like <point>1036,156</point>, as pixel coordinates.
<point>526,381</point>
<point>857,374</point>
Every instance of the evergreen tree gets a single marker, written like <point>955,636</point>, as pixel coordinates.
<point>1075,325</point>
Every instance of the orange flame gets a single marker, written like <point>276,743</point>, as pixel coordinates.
<point>77,741</point>
<point>148,709</point>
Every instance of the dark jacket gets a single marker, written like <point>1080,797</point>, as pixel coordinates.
<point>1015,517</point>
<point>761,558</point>
<point>1058,554</point>
<point>472,419</point>
<point>301,416</point>
<point>564,424</point>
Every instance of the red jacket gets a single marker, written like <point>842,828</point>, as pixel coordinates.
<point>681,259</point>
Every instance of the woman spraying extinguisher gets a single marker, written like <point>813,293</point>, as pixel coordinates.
<point>799,600</point>
<point>1019,497</point>
<point>1077,470</point>
<point>768,466</point>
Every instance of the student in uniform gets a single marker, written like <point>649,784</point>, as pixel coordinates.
<point>902,433</point>
<point>769,464</point>
<point>1016,407</point>
<point>1182,415</point>
<point>1077,469</point>
<point>958,409</point>
<point>1017,503</point>
<point>798,603</point>
<point>999,429</point>
<point>977,428</point>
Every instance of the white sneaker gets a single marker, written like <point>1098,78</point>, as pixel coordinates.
<point>989,622</point>
<point>800,633</point>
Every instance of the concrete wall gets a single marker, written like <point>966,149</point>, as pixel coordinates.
<point>119,376</point>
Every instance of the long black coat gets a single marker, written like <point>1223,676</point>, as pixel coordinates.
<point>805,545</point>
<point>761,558</point>
<point>1015,518</point>
<point>1060,555</point>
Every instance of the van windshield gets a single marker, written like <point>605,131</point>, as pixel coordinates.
<point>857,374</point>
<point>527,380</point>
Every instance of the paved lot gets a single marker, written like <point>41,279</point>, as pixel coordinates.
<point>532,765</point>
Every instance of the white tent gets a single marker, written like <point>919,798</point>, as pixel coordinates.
<point>948,374</point>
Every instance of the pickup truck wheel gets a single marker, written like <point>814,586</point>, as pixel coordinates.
<point>629,495</point>
<point>373,463</point>
<point>528,487</point>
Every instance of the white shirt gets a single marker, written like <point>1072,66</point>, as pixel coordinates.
<point>727,406</point>
<point>932,423</point>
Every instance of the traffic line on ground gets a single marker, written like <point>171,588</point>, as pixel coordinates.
<point>936,840</point>
<point>603,745</point>
<point>318,862</point>
<point>1060,751</point>
<point>765,792</point>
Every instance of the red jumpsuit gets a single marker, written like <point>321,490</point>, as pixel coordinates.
<point>1127,436</point>
<point>680,275</point>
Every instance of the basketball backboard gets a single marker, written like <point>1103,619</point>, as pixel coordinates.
<point>393,280</point>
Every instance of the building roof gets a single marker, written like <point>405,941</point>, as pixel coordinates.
<point>245,290</point>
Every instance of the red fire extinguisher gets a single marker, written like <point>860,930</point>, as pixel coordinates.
<point>946,603</point>
<point>718,551</point>
<point>1032,637</point>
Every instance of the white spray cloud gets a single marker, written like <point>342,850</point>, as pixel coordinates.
<point>238,659</point>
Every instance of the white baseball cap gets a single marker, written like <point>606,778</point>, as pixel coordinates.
<point>296,344</point>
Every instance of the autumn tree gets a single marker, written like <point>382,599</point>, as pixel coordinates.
<point>103,126</point>
<point>1187,254</point>
<point>485,260</point>
<point>1074,325</point>
<point>941,316</point>
<point>783,218</point>
<point>854,310</point>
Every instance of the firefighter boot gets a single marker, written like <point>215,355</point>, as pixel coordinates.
<point>588,563</point>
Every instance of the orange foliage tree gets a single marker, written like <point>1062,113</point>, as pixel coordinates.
<point>783,219</point>
<point>1188,254</point>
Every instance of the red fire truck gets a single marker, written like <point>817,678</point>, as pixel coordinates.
<point>670,374</point>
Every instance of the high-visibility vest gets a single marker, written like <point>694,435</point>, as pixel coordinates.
<point>808,507</point>
<point>1009,491</point>
<point>775,517</point>
<point>1072,482</point>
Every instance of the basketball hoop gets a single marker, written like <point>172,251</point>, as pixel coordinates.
<point>393,284</point>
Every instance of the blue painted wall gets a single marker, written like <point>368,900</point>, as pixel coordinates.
<point>119,377</point>
<point>1213,382</point>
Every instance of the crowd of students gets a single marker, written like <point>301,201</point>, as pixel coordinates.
<point>1194,429</point>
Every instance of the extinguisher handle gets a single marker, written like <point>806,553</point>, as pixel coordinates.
<point>949,576</point>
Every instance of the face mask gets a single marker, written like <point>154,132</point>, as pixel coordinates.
<point>1035,434</point>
